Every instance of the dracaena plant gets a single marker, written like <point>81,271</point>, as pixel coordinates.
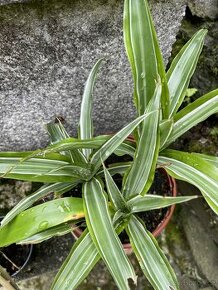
<point>107,209</point>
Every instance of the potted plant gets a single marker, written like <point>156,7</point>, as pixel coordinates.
<point>111,209</point>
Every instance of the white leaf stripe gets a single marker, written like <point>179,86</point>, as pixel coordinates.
<point>104,236</point>
<point>80,261</point>
<point>114,142</point>
<point>58,133</point>
<point>142,170</point>
<point>150,202</point>
<point>36,168</point>
<point>59,230</point>
<point>30,199</point>
<point>116,168</point>
<point>166,127</point>
<point>193,117</point>
<point>207,185</point>
<point>209,158</point>
<point>182,69</point>
<point>85,124</point>
<point>194,160</point>
<point>151,259</point>
<point>72,143</point>
<point>113,191</point>
<point>141,42</point>
<point>139,51</point>
<point>141,166</point>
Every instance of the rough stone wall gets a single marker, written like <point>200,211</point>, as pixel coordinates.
<point>204,8</point>
<point>47,49</point>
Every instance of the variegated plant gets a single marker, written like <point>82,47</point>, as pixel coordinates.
<point>107,209</point>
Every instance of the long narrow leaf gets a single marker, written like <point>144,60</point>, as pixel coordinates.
<point>194,170</point>
<point>141,43</point>
<point>80,261</point>
<point>193,114</point>
<point>194,160</point>
<point>141,174</point>
<point>58,230</point>
<point>114,142</point>
<point>151,259</point>
<point>116,168</point>
<point>58,133</point>
<point>23,156</point>
<point>166,127</point>
<point>209,158</point>
<point>182,69</point>
<point>42,170</point>
<point>85,123</point>
<point>30,199</point>
<point>82,258</point>
<point>113,191</point>
<point>104,236</point>
<point>40,218</point>
<point>127,147</point>
<point>150,202</point>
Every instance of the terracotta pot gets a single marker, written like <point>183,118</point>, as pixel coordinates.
<point>11,256</point>
<point>173,188</point>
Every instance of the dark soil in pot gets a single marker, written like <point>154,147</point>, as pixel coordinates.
<point>153,218</point>
<point>160,186</point>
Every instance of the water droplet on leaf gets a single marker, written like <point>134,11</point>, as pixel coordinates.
<point>43,225</point>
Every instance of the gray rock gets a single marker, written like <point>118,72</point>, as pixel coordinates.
<point>6,2</point>
<point>201,235</point>
<point>207,288</point>
<point>204,8</point>
<point>186,283</point>
<point>47,49</point>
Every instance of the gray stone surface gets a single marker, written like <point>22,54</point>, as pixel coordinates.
<point>47,49</point>
<point>207,288</point>
<point>188,284</point>
<point>6,2</point>
<point>204,8</point>
<point>42,282</point>
<point>202,235</point>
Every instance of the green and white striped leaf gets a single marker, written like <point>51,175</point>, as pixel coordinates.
<point>114,142</point>
<point>114,193</point>
<point>42,170</point>
<point>144,55</point>
<point>150,202</point>
<point>115,168</point>
<point>104,236</point>
<point>57,133</point>
<point>193,160</point>
<point>127,147</point>
<point>40,218</point>
<point>153,262</point>
<point>209,158</point>
<point>193,114</point>
<point>141,174</point>
<point>195,170</point>
<point>23,156</point>
<point>182,69</point>
<point>58,230</point>
<point>30,199</point>
<point>80,261</point>
<point>85,123</point>
<point>166,127</point>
